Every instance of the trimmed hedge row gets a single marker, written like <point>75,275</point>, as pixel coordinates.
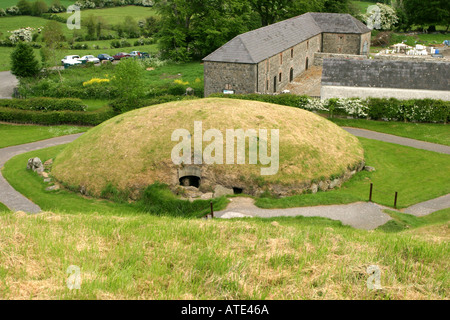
<point>90,118</point>
<point>122,105</point>
<point>44,104</point>
<point>416,110</point>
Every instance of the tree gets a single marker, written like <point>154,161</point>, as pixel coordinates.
<point>23,61</point>
<point>53,36</point>
<point>128,80</point>
<point>427,13</point>
<point>24,7</point>
<point>38,8</point>
<point>271,11</point>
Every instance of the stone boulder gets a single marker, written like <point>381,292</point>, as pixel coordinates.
<point>370,169</point>
<point>35,164</point>
<point>222,191</point>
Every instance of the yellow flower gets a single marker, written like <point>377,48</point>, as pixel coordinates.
<point>94,81</point>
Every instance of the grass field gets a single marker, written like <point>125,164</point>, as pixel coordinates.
<point>362,5</point>
<point>11,135</point>
<point>430,132</point>
<point>148,257</point>
<point>13,23</point>
<point>3,208</point>
<point>8,3</point>
<point>417,175</point>
<point>117,14</point>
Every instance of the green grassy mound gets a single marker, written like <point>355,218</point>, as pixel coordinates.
<point>133,150</point>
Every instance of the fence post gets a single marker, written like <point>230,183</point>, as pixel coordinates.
<point>212,210</point>
<point>395,200</point>
<point>370,193</point>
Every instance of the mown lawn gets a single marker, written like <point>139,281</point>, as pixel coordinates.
<point>12,134</point>
<point>430,132</point>
<point>8,3</point>
<point>148,257</point>
<point>417,175</point>
<point>117,15</point>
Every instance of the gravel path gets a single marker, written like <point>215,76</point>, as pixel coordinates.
<point>7,84</point>
<point>360,215</point>
<point>8,195</point>
<point>398,140</point>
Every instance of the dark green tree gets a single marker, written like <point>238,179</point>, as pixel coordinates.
<point>23,61</point>
<point>38,8</point>
<point>24,7</point>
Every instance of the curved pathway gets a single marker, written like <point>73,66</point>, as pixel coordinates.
<point>398,140</point>
<point>7,84</point>
<point>8,195</point>
<point>361,215</point>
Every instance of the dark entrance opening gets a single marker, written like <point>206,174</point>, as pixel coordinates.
<point>190,181</point>
<point>237,190</point>
<point>275,84</point>
<point>306,66</point>
<point>291,75</point>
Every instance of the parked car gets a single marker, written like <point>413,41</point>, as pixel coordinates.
<point>139,54</point>
<point>121,55</point>
<point>89,58</point>
<point>104,56</point>
<point>71,60</point>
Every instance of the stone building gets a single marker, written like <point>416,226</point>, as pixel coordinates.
<point>342,78</point>
<point>265,60</point>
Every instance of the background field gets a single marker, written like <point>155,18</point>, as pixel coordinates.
<point>8,3</point>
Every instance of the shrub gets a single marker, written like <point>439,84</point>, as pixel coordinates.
<point>419,110</point>
<point>121,105</point>
<point>92,118</point>
<point>44,104</point>
<point>23,61</point>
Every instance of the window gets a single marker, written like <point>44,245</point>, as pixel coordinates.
<point>281,58</point>
<point>292,52</point>
<point>279,77</point>
<point>307,45</point>
<point>291,75</point>
<point>267,85</point>
<point>275,84</point>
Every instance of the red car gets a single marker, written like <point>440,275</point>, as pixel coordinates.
<point>121,55</point>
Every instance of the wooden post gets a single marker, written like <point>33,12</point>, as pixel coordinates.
<point>370,193</point>
<point>212,210</point>
<point>395,200</point>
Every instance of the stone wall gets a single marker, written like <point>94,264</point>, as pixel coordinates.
<point>319,56</point>
<point>270,69</point>
<point>239,77</point>
<point>341,43</point>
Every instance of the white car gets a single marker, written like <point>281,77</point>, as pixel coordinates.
<point>71,60</point>
<point>90,59</point>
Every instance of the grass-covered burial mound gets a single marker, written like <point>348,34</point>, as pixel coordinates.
<point>139,148</point>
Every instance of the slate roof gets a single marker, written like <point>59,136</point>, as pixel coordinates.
<point>257,45</point>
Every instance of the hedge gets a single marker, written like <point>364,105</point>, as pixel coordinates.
<point>415,110</point>
<point>121,105</point>
<point>45,104</point>
<point>91,118</point>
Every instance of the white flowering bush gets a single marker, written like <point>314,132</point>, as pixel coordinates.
<point>384,17</point>
<point>353,107</point>
<point>22,34</point>
<point>14,10</point>
<point>2,12</point>
<point>315,105</point>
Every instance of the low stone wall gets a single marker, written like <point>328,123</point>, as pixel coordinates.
<point>328,92</point>
<point>409,58</point>
<point>319,56</point>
